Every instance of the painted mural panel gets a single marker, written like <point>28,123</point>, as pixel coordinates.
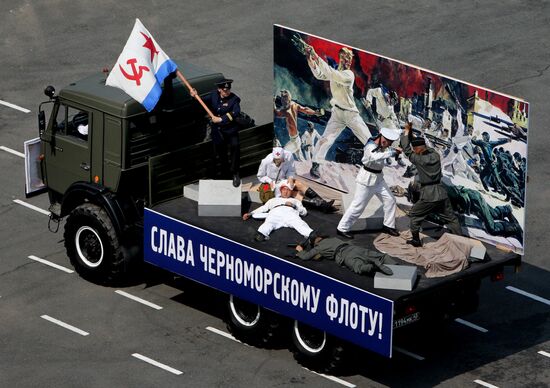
<point>330,98</point>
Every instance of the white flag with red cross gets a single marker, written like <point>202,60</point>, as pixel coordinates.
<point>141,68</point>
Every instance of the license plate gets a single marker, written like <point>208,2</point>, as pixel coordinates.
<point>407,320</point>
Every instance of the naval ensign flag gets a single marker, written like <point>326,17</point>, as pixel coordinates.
<point>141,68</point>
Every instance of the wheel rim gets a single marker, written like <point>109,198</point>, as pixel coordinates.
<point>89,246</point>
<point>311,339</point>
<point>245,313</point>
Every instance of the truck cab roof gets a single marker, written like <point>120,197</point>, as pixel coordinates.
<point>93,92</point>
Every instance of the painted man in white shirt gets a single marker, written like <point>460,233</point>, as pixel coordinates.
<point>370,181</point>
<point>344,111</point>
<point>289,111</point>
<point>309,139</point>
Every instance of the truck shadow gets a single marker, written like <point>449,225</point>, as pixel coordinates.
<point>514,323</point>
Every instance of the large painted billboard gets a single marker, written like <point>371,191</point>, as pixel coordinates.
<point>330,98</point>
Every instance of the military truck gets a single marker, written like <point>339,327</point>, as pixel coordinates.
<point>104,158</point>
<point>116,173</point>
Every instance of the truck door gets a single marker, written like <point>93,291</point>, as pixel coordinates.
<point>68,152</point>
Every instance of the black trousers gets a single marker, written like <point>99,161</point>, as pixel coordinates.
<point>228,152</point>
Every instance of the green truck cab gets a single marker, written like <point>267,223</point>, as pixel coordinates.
<point>103,157</point>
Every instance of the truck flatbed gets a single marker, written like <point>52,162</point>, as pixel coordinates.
<point>234,228</point>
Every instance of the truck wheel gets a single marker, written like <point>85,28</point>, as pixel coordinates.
<point>93,245</point>
<point>315,349</point>
<point>251,323</point>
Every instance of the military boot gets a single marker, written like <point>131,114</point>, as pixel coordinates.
<point>317,202</point>
<point>509,214</point>
<point>513,230</point>
<point>314,171</point>
<point>415,241</point>
<point>312,203</point>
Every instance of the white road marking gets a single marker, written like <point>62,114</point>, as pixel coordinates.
<point>35,208</point>
<point>410,354</point>
<point>157,364</point>
<point>65,325</point>
<point>529,295</point>
<point>3,148</point>
<point>56,266</point>
<point>143,301</point>
<point>332,378</point>
<point>543,353</point>
<point>472,325</point>
<point>10,105</point>
<point>481,382</point>
<point>223,334</point>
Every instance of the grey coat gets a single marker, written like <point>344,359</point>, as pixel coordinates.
<point>428,165</point>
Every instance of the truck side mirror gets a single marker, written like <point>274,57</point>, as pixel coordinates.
<point>49,91</point>
<point>41,122</point>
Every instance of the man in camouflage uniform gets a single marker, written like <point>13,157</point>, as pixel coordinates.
<point>359,260</point>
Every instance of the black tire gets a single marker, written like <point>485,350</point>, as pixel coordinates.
<point>251,323</point>
<point>93,246</point>
<point>317,350</point>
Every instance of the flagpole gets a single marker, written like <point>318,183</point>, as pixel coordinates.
<point>199,99</point>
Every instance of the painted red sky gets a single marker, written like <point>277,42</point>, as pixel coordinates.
<point>403,79</point>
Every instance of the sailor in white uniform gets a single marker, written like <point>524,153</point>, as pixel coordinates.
<point>309,139</point>
<point>370,181</point>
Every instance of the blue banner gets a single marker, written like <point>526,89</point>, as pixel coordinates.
<point>279,285</point>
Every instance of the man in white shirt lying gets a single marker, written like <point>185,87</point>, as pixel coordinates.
<point>281,212</point>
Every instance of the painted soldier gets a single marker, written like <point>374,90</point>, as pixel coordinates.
<point>488,173</point>
<point>497,221</point>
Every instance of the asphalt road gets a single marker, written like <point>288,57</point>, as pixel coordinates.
<point>502,45</point>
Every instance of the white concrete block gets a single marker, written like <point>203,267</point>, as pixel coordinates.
<point>372,217</point>
<point>478,250</point>
<point>403,278</point>
<point>218,198</point>
<point>191,192</point>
